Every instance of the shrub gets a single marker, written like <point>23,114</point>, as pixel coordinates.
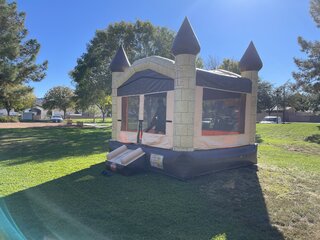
<point>9,119</point>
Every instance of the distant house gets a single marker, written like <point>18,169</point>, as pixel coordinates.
<point>290,115</point>
<point>3,112</point>
<point>27,116</point>
<point>35,113</point>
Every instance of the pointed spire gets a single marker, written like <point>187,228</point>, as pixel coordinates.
<point>185,42</point>
<point>250,60</point>
<point>120,61</point>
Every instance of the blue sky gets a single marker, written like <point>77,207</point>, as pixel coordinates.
<point>224,29</point>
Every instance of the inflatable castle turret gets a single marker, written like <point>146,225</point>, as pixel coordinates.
<point>250,64</point>
<point>185,49</point>
<point>118,65</point>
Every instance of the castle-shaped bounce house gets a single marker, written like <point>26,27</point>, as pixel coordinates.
<point>171,117</point>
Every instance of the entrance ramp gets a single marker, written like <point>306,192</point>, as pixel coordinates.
<point>126,161</point>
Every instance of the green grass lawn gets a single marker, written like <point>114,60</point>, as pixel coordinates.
<point>51,188</point>
<point>289,174</point>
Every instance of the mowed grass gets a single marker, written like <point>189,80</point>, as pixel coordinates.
<point>52,188</point>
<point>285,145</point>
<point>289,174</point>
<point>31,156</point>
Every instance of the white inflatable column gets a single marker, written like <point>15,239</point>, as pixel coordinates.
<point>251,116</point>
<point>185,49</point>
<point>184,102</point>
<point>115,114</point>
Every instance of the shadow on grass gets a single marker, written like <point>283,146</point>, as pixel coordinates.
<point>315,138</point>
<point>259,138</point>
<point>87,205</point>
<point>50,144</point>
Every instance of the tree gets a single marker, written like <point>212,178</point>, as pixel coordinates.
<point>93,110</point>
<point>212,63</point>
<point>17,54</point>
<point>314,102</point>
<point>18,97</point>
<point>199,62</point>
<point>299,101</point>
<point>230,65</point>
<point>308,75</point>
<point>105,105</point>
<point>59,97</point>
<point>92,76</point>
<point>266,96</point>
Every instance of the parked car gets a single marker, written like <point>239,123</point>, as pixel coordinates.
<point>56,118</point>
<point>271,119</point>
<point>206,122</point>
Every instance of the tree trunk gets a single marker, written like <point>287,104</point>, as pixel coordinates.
<point>103,112</point>
<point>103,116</point>
<point>64,113</point>
<point>8,111</point>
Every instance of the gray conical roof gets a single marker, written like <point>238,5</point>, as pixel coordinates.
<point>250,60</point>
<point>185,42</point>
<point>120,61</point>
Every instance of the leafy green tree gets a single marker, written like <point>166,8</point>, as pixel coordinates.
<point>105,105</point>
<point>230,65</point>
<point>17,54</point>
<point>59,97</point>
<point>92,76</point>
<point>18,97</point>
<point>299,101</point>
<point>93,110</point>
<point>308,75</point>
<point>314,102</point>
<point>266,96</point>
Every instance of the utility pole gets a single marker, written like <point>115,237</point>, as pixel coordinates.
<point>278,92</point>
<point>284,102</point>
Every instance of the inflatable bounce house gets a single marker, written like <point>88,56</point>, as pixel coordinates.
<point>171,117</point>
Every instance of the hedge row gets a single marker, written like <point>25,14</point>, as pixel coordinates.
<point>9,119</point>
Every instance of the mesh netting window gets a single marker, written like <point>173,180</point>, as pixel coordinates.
<point>130,113</point>
<point>222,112</point>
<point>154,120</point>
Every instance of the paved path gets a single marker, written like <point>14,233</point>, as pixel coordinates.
<point>97,125</point>
<point>30,125</point>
